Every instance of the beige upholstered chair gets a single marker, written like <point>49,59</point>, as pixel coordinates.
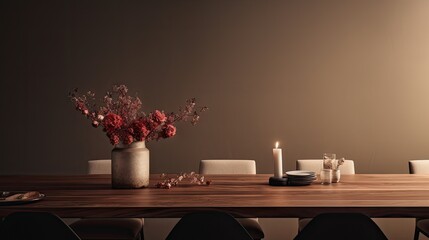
<point>420,167</point>
<point>233,166</point>
<point>316,165</point>
<point>101,166</point>
<point>107,228</point>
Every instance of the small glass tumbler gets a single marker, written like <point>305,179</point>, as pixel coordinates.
<point>336,175</point>
<point>326,176</point>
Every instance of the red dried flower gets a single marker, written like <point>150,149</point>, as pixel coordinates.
<point>130,130</point>
<point>158,117</point>
<point>128,139</point>
<point>114,138</point>
<point>168,182</point>
<point>140,130</point>
<point>151,124</point>
<point>112,122</point>
<point>95,123</point>
<point>169,131</point>
<point>80,105</point>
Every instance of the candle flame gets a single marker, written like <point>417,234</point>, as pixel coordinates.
<point>277,144</point>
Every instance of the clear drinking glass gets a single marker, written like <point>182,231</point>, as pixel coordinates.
<point>336,175</point>
<point>326,176</point>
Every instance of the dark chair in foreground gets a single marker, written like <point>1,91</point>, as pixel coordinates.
<point>420,167</point>
<point>35,225</point>
<point>208,226</point>
<point>235,166</point>
<point>316,165</point>
<point>339,226</point>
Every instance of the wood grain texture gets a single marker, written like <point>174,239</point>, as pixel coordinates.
<point>377,195</point>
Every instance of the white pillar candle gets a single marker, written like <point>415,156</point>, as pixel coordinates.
<point>278,166</point>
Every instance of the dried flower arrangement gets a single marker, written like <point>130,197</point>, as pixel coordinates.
<point>192,177</point>
<point>123,121</point>
<point>333,164</point>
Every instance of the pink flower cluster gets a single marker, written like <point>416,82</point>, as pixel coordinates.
<point>169,182</point>
<point>122,120</point>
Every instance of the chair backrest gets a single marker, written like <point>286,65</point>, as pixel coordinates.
<point>35,225</point>
<point>316,165</point>
<point>209,225</point>
<point>418,166</point>
<point>339,226</point>
<point>101,166</point>
<point>227,166</point>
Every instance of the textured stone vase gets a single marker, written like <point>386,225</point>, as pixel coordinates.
<point>130,166</point>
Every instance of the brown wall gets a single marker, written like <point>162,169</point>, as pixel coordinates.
<point>349,77</point>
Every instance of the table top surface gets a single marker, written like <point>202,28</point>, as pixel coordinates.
<point>377,195</point>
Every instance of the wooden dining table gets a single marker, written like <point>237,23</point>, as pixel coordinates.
<point>376,195</point>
